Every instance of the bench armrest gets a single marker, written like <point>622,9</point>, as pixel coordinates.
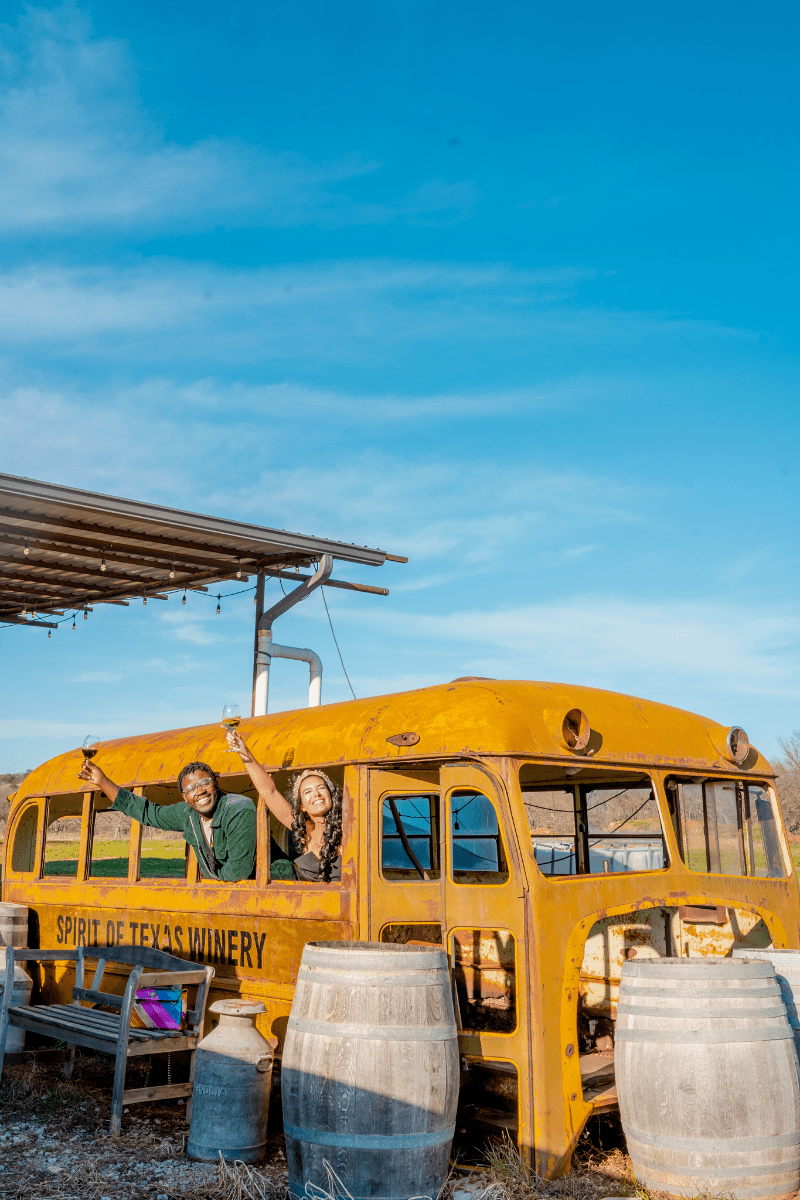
<point>79,993</point>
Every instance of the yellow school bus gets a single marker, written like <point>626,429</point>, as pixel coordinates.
<point>557,830</point>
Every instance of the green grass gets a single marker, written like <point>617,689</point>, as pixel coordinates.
<point>160,860</point>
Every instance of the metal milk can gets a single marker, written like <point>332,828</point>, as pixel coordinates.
<point>21,994</point>
<point>233,1075</point>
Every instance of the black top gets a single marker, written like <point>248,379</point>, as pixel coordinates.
<point>307,867</point>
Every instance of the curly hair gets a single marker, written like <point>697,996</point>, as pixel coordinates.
<point>332,838</point>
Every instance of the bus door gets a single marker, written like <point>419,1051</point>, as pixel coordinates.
<point>405,840</point>
<point>484,918</point>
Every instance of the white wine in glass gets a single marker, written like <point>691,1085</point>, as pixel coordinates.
<point>231,717</point>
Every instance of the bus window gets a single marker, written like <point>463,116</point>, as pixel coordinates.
<point>608,826</point>
<point>410,837</point>
<point>110,846</point>
<point>163,853</point>
<point>485,974</point>
<point>478,854</point>
<point>23,855</point>
<point>63,835</point>
<point>726,827</point>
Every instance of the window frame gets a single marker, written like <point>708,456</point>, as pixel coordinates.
<point>503,873</point>
<point>710,824</point>
<point>581,838</point>
<point>434,836</point>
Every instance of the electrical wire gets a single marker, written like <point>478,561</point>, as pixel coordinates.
<point>207,596</point>
<point>336,644</point>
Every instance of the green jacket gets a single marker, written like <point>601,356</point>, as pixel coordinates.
<point>233,822</point>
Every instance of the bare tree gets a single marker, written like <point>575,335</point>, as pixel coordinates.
<point>788,784</point>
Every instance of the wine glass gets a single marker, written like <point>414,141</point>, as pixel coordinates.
<point>231,716</point>
<point>91,744</point>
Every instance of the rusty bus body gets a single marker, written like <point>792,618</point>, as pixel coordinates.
<point>549,856</point>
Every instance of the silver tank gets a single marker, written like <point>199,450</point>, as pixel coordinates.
<point>230,1099</point>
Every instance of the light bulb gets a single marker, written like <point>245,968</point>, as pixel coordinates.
<point>49,632</point>
<point>218,608</point>
<point>172,571</point>
<point>103,563</point>
<point>144,601</point>
<point>238,569</point>
<point>86,614</point>
<point>73,624</point>
<point>27,549</point>
<point>183,601</point>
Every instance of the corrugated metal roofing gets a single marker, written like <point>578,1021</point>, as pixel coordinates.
<point>62,548</point>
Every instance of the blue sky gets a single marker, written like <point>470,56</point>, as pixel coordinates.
<point>511,292</point>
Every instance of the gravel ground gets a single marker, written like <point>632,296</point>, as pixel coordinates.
<point>55,1146</point>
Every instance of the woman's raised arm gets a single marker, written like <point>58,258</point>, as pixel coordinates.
<point>277,804</point>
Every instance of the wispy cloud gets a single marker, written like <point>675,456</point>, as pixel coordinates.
<point>77,147</point>
<point>606,641</point>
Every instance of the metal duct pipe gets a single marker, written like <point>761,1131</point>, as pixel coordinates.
<point>267,650</point>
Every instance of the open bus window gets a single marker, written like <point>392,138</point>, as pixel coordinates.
<point>23,853</point>
<point>410,837</point>
<point>63,835</point>
<point>602,827</point>
<point>478,852</point>
<point>163,852</point>
<point>485,974</point>
<point>110,846</point>
<point>726,827</point>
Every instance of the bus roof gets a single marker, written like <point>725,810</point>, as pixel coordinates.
<point>466,717</point>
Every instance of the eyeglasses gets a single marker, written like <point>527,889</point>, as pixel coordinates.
<point>201,783</point>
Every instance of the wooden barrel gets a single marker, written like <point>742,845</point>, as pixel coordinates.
<point>13,925</point>
<point>707,1077</point>
<point>787,970</point>
<point>370,1070</point>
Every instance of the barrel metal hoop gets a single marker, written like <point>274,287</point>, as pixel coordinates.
<point>715,1145</point>
<point>685,969</point>
<point>308,973</point>
<point>377,1033</point>
<point>756,1193</point>
<point>781,1168</point>
<point>298,1191</point>
<point>373,961</point>
<point>696,993</point>
<point>371,1141</point>
<point>700,1014</point>
<point>698,1036</point>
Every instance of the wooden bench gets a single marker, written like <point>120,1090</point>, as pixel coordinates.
<point>111,1032</point>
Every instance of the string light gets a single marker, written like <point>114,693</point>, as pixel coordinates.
<point>238,568</point>
<point>172,570</point>
<point>144,600</point>
<point>49,632</point>
<point>73,623</point>
<point>24,608</point>
<point>218,608</point>
<point>183,601</point>
<point>103,563</point>
<point>27,549</point>
<point>86,614</point>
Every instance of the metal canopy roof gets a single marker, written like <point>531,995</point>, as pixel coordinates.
<point>61,548</point>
